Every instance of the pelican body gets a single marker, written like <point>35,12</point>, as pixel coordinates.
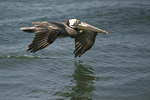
<point>47,32</point>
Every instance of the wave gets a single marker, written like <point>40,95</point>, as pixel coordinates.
<point>24,57</point>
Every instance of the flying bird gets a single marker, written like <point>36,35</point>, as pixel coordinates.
<point>47,32</point>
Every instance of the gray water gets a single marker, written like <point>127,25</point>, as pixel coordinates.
<point>117,67</point>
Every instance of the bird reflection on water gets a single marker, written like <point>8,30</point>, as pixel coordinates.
<point>83,78</point>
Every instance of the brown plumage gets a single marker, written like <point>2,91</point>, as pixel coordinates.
<point>47,32</point>
<point>84,42</point>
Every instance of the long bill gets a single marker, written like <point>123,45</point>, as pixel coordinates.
<point>84,26</point>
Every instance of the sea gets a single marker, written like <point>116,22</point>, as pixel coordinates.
<point>117,67</point>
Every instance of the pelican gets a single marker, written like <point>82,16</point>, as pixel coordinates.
<point>47,32</point>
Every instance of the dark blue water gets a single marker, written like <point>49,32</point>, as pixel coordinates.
<point>117,67</point>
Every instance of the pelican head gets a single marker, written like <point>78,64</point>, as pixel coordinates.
<point>74,23</point>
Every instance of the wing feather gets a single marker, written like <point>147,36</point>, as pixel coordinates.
<point>45,35</point>
<point>84,42</point>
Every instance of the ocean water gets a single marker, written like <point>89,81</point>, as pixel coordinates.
<point>117,67</point>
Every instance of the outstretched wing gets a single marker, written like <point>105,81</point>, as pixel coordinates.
<point>44,36</point>
<point>84,42</point>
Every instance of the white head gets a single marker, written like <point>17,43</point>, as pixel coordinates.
<point>73,22</point>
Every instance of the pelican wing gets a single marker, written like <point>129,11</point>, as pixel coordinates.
<point>45,35</point>
<point>84,42</point>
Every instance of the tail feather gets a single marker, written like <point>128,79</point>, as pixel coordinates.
<point>28,29</point>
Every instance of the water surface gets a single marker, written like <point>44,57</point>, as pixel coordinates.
<point>117,67</point>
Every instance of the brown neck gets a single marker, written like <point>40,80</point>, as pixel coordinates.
<point>67,22</point>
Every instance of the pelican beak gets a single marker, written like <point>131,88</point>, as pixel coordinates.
<point>87,27</point>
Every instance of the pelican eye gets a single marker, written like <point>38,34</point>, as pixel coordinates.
<point>78,22</point>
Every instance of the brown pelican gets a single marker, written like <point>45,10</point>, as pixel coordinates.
<point>47,32</point>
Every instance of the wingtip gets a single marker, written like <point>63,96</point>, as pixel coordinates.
<point>75,56</point>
